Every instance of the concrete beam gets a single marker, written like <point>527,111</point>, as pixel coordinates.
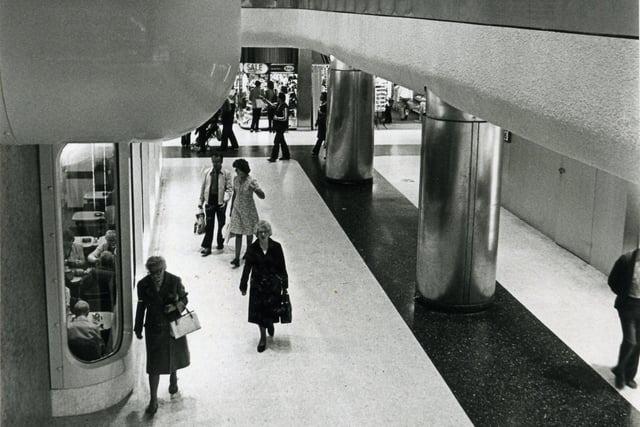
<point>574,94</point>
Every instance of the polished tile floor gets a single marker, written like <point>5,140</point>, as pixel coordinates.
<point>360,350</point>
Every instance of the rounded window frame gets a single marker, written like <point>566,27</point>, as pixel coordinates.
<point>67,370</point>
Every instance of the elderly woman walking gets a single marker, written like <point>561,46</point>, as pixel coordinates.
<point>265,263</point>
<point>162,297</point>
<point>244,215</point>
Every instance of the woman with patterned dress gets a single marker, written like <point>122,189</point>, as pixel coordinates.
<point>244,215</point>
<point>265,263</point>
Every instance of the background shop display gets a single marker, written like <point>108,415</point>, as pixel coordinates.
<point>407,102</point>
<point>284,78</point>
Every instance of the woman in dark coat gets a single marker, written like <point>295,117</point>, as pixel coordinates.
<point>265,262</point>
<point>162,297</point>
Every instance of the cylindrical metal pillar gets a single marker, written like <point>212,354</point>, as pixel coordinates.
<point>459,208</point>
<point>349,125</point>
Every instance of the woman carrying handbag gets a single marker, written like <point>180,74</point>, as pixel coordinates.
<point>269,279</point>
<point>161,299</point>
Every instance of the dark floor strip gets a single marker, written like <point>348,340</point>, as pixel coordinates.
<point>503,365</point>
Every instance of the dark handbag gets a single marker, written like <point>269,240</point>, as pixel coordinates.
<point>285,308</point>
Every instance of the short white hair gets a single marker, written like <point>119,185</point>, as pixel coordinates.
<point>262,224</point>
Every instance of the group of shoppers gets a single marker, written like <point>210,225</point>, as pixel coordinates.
<point>162,297</point>
<point>278,112</point>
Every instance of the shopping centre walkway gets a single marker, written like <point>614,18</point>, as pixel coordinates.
<point>360,351</point>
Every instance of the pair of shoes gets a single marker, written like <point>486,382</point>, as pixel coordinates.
<point>206,252</point>
<point>632,384</point>
<point>152,408</point>
<point>173,387</point>
<point>270,330</point>
<point>202,250</point>
<point>271,160</point>
<point>262,347</point>
<point>285,158</point>
<point>220,247</point>
<point>250,130</point>
<point>235,262</point>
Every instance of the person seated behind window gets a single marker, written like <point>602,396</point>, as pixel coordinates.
<point>98,287</point>
<point>109,243</point>
<point>73,253</point>
<point>83,335</point>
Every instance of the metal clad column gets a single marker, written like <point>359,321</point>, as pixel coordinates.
<point>459,208</point>
<point>349,124</point>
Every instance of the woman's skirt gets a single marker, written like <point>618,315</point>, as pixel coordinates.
<point>265,297</point>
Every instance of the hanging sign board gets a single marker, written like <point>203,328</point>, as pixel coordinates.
<point>255,68</point>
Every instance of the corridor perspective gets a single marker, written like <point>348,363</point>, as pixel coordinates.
<point>452,191</point>
<point>360,351</point>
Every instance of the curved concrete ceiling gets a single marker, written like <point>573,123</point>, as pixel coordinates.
<point>113,71</point>
<point>574,94</point>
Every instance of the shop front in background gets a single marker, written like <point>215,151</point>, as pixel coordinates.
<point>284,78</point>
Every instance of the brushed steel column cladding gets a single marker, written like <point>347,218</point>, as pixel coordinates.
<point>349,124</point>
<point>459,208</point>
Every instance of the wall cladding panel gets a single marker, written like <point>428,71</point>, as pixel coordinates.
<point>608,220</point>
<point>529,184</point>
<point>530,190</point>
<point>24,344</point>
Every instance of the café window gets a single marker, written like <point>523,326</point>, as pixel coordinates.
<point>91,251</point>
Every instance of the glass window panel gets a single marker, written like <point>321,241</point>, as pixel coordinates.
<point>91,254</point>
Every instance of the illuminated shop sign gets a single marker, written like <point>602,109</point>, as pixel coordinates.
<point>259,68</point>
<point>255,68</point>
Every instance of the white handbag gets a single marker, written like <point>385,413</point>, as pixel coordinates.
<point>185,324</point>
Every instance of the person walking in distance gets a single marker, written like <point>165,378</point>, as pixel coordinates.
<point>624,281</point>
<point>227,116</point>
<point>280,125</point>
<point>321,124</point>
<point>271,97</point>
<point>255,96</point>
<point>215,192</point>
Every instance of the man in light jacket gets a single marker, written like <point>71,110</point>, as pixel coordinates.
<point>215,192</point>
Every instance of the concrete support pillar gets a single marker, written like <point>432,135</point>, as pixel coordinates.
<point>459,208</point>
<point>349,124</point>
<point>305,101</point>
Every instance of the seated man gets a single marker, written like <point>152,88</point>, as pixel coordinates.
<point>109,243</point>
<point>98,286</point>
<point>83,335</point>
<point>73,253</point>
